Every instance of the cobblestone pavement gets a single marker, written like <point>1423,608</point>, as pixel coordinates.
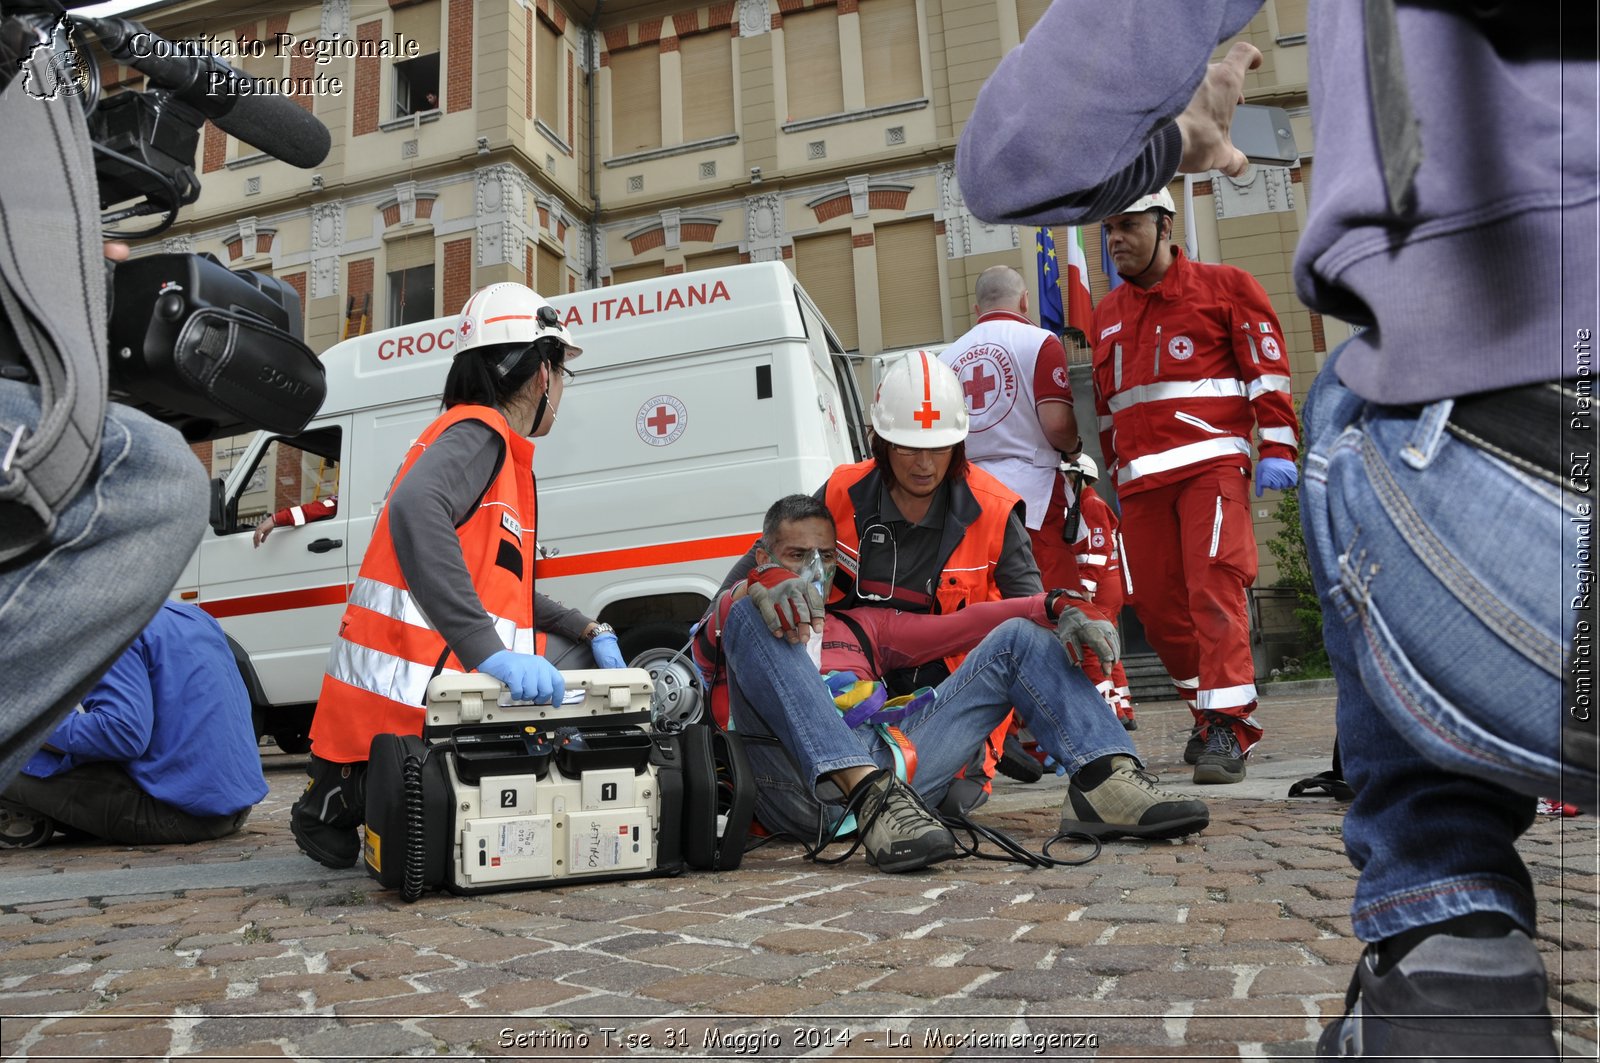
<point>1231,945</point>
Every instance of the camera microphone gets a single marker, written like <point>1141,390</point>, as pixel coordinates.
<point>266,120</point>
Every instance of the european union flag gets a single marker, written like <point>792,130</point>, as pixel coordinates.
<point>1051,317</point>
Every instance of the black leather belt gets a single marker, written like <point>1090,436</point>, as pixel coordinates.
<point>1530,427</point>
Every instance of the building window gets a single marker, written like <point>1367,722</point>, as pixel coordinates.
<point>811,63</point>
<point>410,295</point>
<point>908,283</point>
<point>416,85</point>
<point>707,64</point>
<point>643,272</point>
<point>547,71</point>
<point>416,81</point>
<point>826,268</point>
<point>891,58</point>
<point>552,272</point>
<point>1029,12</point>
<point>635,99</point>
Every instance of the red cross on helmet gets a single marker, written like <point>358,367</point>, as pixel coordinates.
<point>1160,199</point>
<point>510,313</point>
<point>920,403</point>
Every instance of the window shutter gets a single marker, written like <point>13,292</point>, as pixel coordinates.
<point>711,260</point>
<point>908,284</point>
<point>707,64</point>
<point>635,100</point>
<point>1291,17</point>
<point>409,252</point>
<point>1029,12</point>
<point>826,268</point>
<point>811,63</point>
<point>552,273</point>
<point>642,272</point>
<point>891,57</point>
<point>547,73</point>
<point>420,23</point>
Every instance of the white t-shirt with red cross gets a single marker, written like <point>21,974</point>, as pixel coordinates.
<point>1008,368</point>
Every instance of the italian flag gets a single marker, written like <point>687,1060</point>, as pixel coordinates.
<point>1080,307</point>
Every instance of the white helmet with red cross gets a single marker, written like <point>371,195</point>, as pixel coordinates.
<point>1086,468</point>
<point>1160,199</point>
<point>920,403</point>
<point>510,313</point>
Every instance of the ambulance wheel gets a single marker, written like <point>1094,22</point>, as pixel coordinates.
<point>650,639</point>
<point>290,727</point>
<point>677,698</point>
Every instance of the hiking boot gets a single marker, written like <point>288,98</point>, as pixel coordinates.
<point>1127,804</point>
<point>325,821</point>
<point>22,829</point>
<point>1222,760</point>
<point>1449,997</point>
<point>1125,717</point>
<point>1196,744</point>
<point>901,834</point>
<point>1017,763</point>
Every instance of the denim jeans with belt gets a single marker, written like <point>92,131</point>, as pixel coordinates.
<point>794,735</point>
<point>1439,567</point>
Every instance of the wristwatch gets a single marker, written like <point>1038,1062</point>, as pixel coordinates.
<point>601,629</point>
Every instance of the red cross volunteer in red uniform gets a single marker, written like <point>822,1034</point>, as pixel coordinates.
<point>1099,551</point>
<point>1014,378</point>
<point>1187,358</point>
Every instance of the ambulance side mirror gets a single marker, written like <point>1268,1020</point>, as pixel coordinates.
<point>219,509</point>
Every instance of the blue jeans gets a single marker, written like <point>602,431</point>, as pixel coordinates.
<point>70,606</point>
<point>1439,570</point>
<point>795,736</point>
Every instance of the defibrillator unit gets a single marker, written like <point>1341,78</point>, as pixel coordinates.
<point>497,794</point>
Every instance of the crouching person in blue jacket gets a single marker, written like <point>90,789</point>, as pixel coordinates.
<point>161,750</point>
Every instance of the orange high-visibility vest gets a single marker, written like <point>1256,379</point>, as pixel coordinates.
<point>968,574</point>
<point>387,651</point>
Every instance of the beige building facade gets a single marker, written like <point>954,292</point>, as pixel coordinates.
<point>573,145</point>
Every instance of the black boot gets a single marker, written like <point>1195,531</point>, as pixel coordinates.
<point>325,818</point>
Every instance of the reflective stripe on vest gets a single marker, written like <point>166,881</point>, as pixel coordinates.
<point>1178,457</point>
<point>1219,388</point>
<point>386,646</point>
<point>1264,384</point>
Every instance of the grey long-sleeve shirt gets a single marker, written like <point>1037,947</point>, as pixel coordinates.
<point>438,494</point>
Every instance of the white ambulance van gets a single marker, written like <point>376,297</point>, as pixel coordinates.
<point>699,399</point>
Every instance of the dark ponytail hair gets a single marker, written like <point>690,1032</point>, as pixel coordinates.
<point>490,376</point>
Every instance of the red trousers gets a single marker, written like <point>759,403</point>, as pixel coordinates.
<point>1189,556</point>
<point>1058,565</point>
<point>1108,596</point>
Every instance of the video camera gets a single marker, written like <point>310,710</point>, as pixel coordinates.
<point>208,350</point>
<point>497,795</point>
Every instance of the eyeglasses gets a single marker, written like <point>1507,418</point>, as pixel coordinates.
<point>912,452</point>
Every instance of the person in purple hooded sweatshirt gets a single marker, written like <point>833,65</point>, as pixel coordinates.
<point>1455,220</point>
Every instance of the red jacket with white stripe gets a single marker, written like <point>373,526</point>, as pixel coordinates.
<point>1183,370</point>
<point>1099,562</point>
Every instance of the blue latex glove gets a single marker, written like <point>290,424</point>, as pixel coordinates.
<point>530,677</point>
<point>605,650</point>
<point>1052,764</point>
<point>1275,474</point>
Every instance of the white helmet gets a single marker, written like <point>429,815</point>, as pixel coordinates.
<point>920,403</point>
<point>509,313</point>
<point>1086,468</point>
<point>1160,199</point>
